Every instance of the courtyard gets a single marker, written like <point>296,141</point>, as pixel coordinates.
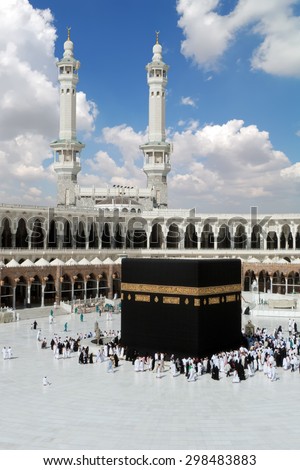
<point>87,408</point>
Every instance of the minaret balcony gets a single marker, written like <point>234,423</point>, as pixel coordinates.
<point>157,167</point>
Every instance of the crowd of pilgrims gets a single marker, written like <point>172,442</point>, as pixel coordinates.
<point>65,348</point>
<point>261,352</point>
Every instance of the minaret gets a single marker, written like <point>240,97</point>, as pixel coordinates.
<point>67,149</point>
<point>157,150</point>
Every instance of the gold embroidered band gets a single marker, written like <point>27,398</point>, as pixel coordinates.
<point>179,290</point>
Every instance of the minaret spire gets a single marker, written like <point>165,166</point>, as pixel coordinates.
<point>67,148</point>
<point>157,150</point>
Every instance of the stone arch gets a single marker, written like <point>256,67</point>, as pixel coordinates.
<point>21,292</point>
<point>106,238</point>
<point>6,237</point>
<point>240,237</point>
<point>119,238</point>
<point>91,286</point>
<point>272,240</point>
<point>207,237</point>
<point>249,277</point>
<point>6,292</point>
<point>116,284</point>
<point>286,237</point>
<point>224,237</point>
<point>66,288</point>
<point>22,234</point>
<point>103,284</point>
<point>264,281</point>
<point>35,291</point>
<point>93,236</point>
<point>139,238</point>
<point>52,235</point>
<point>80,236</point>
<point>156,236</point>
<point>50,291</point>
<point>78,286</point>
<point>67,240</point>
<point>190,237</point>
<point>291,282</point>
<point>173,236</point>
<point>279,286</point>
<point>256,237</point>
<point>37,234</point>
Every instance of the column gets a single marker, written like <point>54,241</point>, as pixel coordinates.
<point>231,231</point>
<point>84,294</point>
<point>215,232</point>
<point>97,288</point>
<point>148,238</point>
<point>164,240</point>
<point>14,298</point>
<point>271,284</point>
<point>43,295</point>
<point>109,282</point>
<point>198,230</point>
<point>13,240</point>
<point>72,290</point>
<point>28,293</point>
<point>181,233</point>
<point>60,240</point>
<point>263,241</point>
<point>248,233</point>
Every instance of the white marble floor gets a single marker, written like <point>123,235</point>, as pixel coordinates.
<point>87,408</point>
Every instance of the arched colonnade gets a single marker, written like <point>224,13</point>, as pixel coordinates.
<point>137,232</point>
<point>20,287</point>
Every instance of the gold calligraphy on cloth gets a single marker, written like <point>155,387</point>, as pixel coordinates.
<point>180,290</point>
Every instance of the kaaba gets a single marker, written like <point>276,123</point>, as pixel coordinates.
<point>185,307</point>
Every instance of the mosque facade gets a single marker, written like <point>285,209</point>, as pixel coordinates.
<point>74,250</point>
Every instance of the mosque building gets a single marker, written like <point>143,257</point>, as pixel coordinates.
<point>74,250</point>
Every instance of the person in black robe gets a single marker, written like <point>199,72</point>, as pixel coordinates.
<point>80,360</point>
<point>208,368</point>
<point>116,360</point>
<point>215,372</point>
<point>240,370</point>
<point>91,358</point>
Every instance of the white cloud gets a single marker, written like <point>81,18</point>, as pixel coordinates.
<point>29,102</point>
<point>292,172</point>
<point>208,34</point>
<point>86,113</point>
<point>108,170</point>
<point>188,101</point>
<point>221,168</point>
<point>228,167</point>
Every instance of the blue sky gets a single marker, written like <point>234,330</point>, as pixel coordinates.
<point>232,104</point>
